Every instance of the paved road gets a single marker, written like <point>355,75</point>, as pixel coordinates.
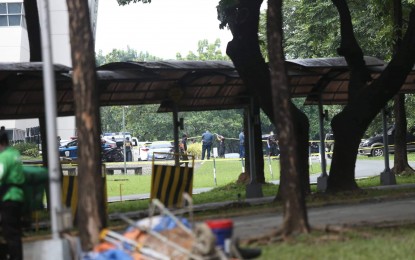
<point>364,168</point>
<point>375,212</point>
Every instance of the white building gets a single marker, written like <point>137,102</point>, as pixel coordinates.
<point>14,47</point>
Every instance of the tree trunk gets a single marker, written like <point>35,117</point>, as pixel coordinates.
<point>91,204</point>
<point>365,100</point>
<point>295,212</point>
<point>258,153</point>
<point>245,54</point>
<point>401,164</point>
<point>33,29</point>
<point>246,157</point>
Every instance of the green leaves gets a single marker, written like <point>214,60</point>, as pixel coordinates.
<point>117,55</point>
<point>126,2</point>
<point>224,10</point>
<point>205,51</point>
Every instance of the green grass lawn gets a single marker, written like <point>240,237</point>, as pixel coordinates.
<point>231,192</point>
<point>227,171</point>
<point>362,243</point>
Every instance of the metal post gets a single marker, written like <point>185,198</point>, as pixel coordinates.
<point>253,189</point>
<point>123,133</point>
<point>270,167</point>
<point>51,113</point>
<point>176,134</point>
<point>386,177</point>
<point>322,179</point>
<point>214,171</point>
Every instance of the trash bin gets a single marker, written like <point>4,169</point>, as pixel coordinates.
<point>36,182</point>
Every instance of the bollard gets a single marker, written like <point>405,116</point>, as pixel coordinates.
<point>121,192</point>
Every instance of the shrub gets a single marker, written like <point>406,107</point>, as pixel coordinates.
<point>195,149</point>
<point>33,152</point>
<point>27,149</point>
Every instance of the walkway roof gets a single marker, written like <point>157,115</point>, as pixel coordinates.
<point>199,85</point>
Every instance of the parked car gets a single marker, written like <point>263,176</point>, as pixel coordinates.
<point>141,151</point>
<point>64,142</point>
<point>70,150</point>
<point>160,150</point>
<point>110,143</point>
<point>373,146</point>
<point>314,147</point>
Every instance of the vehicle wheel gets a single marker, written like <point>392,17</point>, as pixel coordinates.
<point>377,151</point>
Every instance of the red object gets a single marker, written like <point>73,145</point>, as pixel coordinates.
<point>219,223</point>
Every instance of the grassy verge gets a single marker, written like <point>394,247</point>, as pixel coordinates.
<point>231,192</point>
<point>227,171</point>
<point>394,242</point>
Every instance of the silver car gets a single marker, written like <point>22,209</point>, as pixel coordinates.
<point>160,150</point>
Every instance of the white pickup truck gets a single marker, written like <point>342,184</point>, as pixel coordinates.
<point>118,137</point>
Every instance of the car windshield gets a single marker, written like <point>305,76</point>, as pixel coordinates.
<point>73,143</point>
<point>155,146</point>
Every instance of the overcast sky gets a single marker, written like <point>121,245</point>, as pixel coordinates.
<point>162,28</point>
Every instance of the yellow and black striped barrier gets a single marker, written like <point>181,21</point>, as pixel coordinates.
<point>70,192</point>
<point>169,182</point>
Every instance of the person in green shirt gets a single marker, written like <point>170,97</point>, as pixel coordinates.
<point>11,194</point>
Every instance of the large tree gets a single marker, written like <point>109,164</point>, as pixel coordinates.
<point>401,164</point>
<point>316,36</point>
<point>366,96</point>
<point>242,18</point>
<point>91,203</point>
<point>295,213</point>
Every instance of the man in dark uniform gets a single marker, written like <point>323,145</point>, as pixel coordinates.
<point>128,152</point>
<point>207,140</point>
<point>221,140</point>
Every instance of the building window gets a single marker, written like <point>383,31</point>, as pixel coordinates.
<point>12,14</point>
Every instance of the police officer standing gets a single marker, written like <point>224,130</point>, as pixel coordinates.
<point>207,140</point>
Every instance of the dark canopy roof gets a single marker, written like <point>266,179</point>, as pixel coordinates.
<point>197,85</point>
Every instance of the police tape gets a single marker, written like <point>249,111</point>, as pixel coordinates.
<point>237,139</point>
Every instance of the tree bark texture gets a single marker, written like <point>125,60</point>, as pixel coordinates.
<point>91,204</point>
<point>366,97</point>
<point>33,29</point>
<point>401,164</point>
<point>401,157</point>
<point>258,152</point>
<point>295,212</point>
<point>245,54</point>
<point>35,50</point>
